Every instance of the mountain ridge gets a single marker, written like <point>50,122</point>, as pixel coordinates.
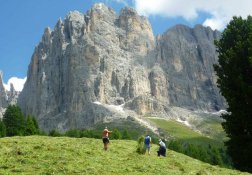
<point>116,60</point>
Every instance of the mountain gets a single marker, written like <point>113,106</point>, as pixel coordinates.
<point>7,97</point>
<point>187,56</point>
<point>3,96</point>
<point>100,67</point>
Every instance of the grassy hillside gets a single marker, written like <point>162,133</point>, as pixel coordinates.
<point>61,155</point>
<point>182,132</point>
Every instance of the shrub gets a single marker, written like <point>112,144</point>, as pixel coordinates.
<point>140,145</point>
<point>126,135</point>
<point>116,134</point>
<point>73,133</point>
<point>54,133</point>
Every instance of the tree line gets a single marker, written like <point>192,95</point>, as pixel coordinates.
<point>206,153</point>
<point>79,133</point>
<point>14,123</point>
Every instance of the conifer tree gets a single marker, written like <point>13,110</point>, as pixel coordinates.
<point>30,128</point>
<point>2,129</point>
<point>234,71</point>
<point>36,125</point>
<point>13,120</point>
<point>116,134</point>
<point>125,135</point>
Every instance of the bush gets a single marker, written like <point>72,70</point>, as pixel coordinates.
<point>73,133</point>
<point>90,134</point>
<point>116,134</point>
<point>54,133</point>
<point>140,145</point>
<point>126,135</point>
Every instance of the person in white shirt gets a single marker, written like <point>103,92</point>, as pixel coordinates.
<point>162,149</point>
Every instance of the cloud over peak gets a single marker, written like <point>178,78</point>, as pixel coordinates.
<point>220,12</point>
<point>18,83</point>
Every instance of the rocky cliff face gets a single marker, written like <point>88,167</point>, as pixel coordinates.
<point>99,66</point>
<point>3,96</point>
<point>6,97</point>
<point>187,56</point>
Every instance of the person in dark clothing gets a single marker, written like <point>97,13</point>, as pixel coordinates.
<point>162,148</point>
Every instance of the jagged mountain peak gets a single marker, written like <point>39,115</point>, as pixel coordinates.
<point>100,7</point>
<point>91,63</point>
<point>7,97</point>
<point>1,81</point>
<point>128,11</point>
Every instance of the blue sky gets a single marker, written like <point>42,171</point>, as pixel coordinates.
<point>23,22</point>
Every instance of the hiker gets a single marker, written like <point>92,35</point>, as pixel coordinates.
<point>147,143</point>
<point>162,148</point>
<point>105,138</point>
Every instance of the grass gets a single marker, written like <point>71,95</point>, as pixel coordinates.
<point>62,155</point>
<point>184,133</point>
<point>211,126</point>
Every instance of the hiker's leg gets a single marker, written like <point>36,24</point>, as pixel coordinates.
<point>165,152</point>
<point>145,149</point>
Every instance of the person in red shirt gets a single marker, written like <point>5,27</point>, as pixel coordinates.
<point>105,138</point>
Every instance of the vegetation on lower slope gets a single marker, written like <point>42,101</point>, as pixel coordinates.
<point>208,148</point>
<point>62,155</point>
<point>181,132</point>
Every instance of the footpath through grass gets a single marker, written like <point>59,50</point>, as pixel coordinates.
<point>62,155</point>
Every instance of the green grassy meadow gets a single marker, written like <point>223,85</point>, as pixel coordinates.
<point>63,155</point>
<point>181,132</point>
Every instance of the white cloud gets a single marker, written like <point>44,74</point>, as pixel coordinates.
<point>18,83</point>
<point>220,12</point>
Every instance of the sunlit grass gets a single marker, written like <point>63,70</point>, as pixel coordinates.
<point>62,155</point>
<point>184,133</point>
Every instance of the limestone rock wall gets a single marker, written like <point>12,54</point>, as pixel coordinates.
<point>187,56</point>
<point>3,96</point>
<point>92,62</point>
<point>7,97</point>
